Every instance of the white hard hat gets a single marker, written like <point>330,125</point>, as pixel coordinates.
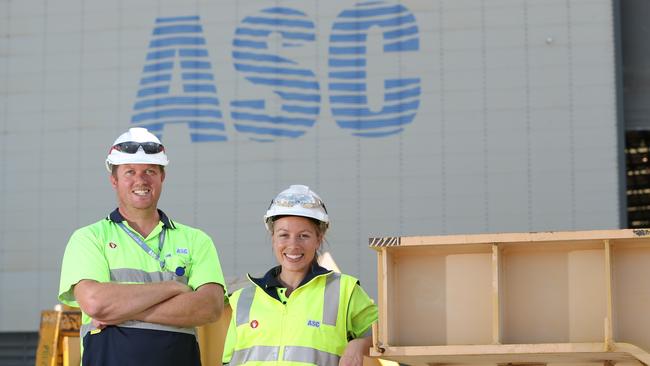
<point>297,200</point>
<point>136,146</point>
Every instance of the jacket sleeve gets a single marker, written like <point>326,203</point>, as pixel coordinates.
<point>362,313</point>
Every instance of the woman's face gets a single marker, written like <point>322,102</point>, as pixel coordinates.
<point>295,242</point>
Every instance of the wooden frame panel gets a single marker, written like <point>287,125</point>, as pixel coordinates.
<point>549,298</point>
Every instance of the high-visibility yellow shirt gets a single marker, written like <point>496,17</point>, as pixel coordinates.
<point>104,252</point>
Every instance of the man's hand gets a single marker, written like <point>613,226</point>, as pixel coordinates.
<point>191,309</point>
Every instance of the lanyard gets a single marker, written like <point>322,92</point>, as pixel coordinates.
<point>145,247</point>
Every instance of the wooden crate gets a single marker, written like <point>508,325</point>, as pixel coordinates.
<point>521,298</point>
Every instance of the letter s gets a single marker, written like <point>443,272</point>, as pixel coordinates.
<point>261,62</point>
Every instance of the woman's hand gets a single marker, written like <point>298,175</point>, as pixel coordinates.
<point>354,352</point>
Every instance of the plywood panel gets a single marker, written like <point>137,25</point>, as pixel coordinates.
<point>420,286</point>
<point>587,306</point>
<point>468,298</point>
<point>535,297</point>
<point>441,297</point>
<point>632,294</point>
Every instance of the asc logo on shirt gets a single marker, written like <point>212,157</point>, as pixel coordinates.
<point>313,323</point>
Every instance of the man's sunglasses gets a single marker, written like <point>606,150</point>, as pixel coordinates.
<point>131,147</point>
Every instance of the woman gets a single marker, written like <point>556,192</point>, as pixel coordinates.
<point>299,311</point>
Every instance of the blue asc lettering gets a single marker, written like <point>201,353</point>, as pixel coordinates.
<point>178,52</point>
<point>179,41</point>
<point>295,85</point>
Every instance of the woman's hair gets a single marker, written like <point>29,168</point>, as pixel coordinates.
<point>320,226</point>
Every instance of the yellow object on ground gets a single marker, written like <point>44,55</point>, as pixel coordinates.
<point>211,338</point>
<point>58,342</point>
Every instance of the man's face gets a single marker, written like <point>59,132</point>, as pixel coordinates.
<point>138,186</point>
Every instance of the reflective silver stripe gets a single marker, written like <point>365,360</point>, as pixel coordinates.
<point>310,355</point>
<point>331,298</point>
<point>136,275</point>
<point>244,305</point>
<point>85,328</point>
<point>168,328</point>
<point>255,353</point>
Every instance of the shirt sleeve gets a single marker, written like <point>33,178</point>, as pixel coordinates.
<point>362,313</point>
<point>83,260</point>
<point>206,267</point>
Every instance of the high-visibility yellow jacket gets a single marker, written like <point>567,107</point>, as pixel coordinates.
<point>312,325</point>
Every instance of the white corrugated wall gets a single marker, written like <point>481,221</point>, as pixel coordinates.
<point>515,130</point>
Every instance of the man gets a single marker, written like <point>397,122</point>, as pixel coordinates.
<point>142,281</point>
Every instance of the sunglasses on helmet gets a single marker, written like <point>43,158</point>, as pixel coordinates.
<point>131,147</point>
<point>297,199</point>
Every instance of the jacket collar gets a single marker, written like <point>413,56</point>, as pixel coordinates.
<point>269,283</point>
